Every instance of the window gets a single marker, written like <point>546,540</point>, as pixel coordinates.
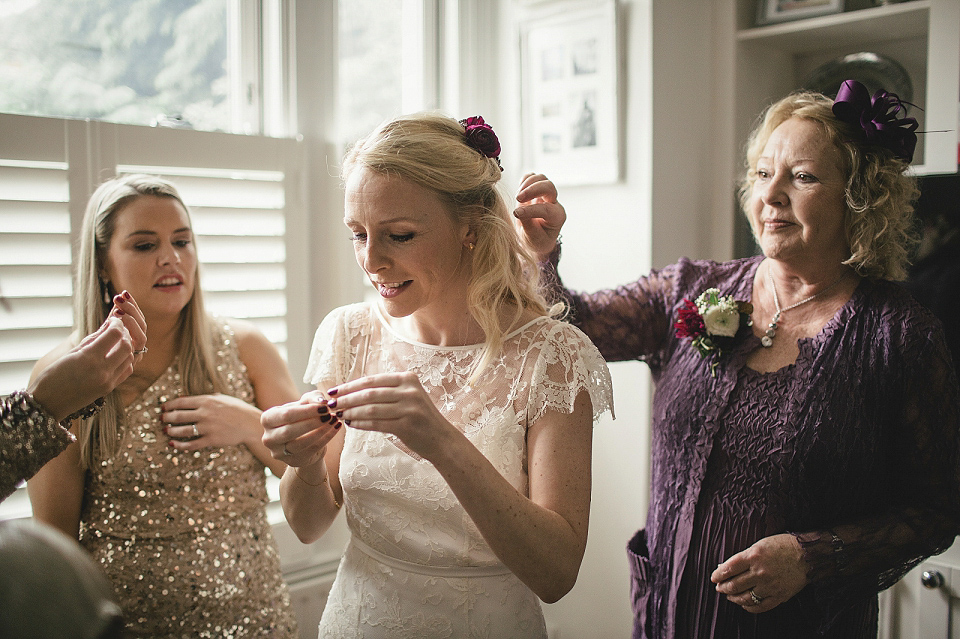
<point>130,61</point>
<point>250,196</point>
<point>384,45</point>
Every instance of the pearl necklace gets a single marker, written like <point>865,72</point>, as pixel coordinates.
<point>771,332</point>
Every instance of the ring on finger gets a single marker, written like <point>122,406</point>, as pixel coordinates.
<point>286,453</point>
<point>196,431</point>
<point>755,598</point>
<point>141,351</point>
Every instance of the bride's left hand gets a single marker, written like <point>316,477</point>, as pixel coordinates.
<point>394,403</point>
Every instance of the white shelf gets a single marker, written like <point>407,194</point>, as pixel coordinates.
<point>853,28</point>
<point>924,35</point>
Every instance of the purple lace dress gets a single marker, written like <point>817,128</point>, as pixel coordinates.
<point>855,447</point>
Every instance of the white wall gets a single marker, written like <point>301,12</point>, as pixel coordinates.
<point>662,209</point>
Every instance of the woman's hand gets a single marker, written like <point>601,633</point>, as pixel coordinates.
<point>298,433</point>
<point>97,365</point>
<point>202,421</point>
<point>540,216</point>
<point>772,570</point>
<point>394,403</point>
<point>307,435</point>
<point>126,308</point>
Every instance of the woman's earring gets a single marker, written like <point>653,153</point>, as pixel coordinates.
<point>470,245</point>
<point>107,299</point>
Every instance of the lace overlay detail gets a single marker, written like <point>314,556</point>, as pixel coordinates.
<point>400,506</point>
<point>184,537</point>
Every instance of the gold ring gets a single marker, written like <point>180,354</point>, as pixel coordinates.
<point>755,598</point>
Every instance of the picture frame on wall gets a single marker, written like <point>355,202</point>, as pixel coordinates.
<point>774,11</point>
<point>569,92</point>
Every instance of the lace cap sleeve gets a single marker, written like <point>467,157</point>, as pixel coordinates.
<point>567,364</point>
<point>332,352</point>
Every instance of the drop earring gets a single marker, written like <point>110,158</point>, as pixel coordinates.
<point>107,299</point>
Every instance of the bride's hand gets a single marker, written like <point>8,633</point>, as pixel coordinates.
<point>394,403</point>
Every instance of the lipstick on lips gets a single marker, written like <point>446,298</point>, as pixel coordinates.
<point>390,289</point>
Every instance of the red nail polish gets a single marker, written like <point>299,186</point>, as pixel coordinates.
<point>126,295</point>
<point>338,425</point>
<point>324,418</point>
<point>323,409</point>
<point>332,403</point>
<point>332,391</point>
<point>119,312</point>
<point>170,444</point>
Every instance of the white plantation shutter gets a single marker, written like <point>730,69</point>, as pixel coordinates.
<point>244,196</point>
<point>34,265</point>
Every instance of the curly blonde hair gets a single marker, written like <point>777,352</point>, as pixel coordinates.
<point>879,193</point>
<point>428,149</point>
<point>99,436</point>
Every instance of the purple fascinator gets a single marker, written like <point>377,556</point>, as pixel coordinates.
<point>480,136</point>
<point>877,117</point>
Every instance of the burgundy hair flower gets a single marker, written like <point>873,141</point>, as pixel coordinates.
<point>480,136</point>
<point>877,118</point>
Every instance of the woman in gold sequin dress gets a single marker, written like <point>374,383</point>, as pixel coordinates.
<point>166,485</point>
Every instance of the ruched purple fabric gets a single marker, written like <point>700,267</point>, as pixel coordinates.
<point>860,438</point>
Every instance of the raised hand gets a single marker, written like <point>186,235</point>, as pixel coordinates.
<point>540,217</point>
<point>95,366</point>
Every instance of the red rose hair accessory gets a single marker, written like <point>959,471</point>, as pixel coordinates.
<point>877,117</point>
<point>480,136</point>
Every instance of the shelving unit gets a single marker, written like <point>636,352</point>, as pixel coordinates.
<point>923,35</point>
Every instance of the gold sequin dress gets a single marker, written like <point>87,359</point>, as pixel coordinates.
<point>184,537</point>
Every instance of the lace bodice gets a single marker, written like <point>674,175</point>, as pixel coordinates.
<point>398,503</point>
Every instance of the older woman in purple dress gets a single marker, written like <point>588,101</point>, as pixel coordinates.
<point>806,438</point>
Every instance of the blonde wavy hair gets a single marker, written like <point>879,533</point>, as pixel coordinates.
<point>99,436</point>
<point>879,193</point>
<point>429,149</point>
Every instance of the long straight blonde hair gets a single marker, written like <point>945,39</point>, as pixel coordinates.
<point>99,436</point>
<point>430,150</point>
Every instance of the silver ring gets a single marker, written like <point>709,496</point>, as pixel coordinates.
<point>755,598</point>
<point>196,431</point>
<point>141,351</point>
<point>286,453</point>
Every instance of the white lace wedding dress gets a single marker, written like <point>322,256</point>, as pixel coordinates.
<point>416,565</point>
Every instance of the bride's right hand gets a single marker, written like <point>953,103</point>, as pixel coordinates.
<point>298,433</point>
